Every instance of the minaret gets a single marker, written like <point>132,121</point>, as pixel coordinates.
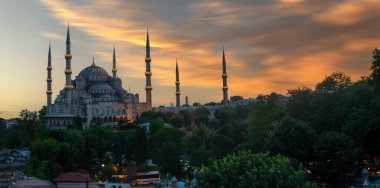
<point>224,76</point>
<point>48,81</point>
<point>177,83</point>
<point>187,101</point>
<point>114,70</point>
<point>68,71</point>
<point>148,74</point>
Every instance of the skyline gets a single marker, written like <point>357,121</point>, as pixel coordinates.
<point>270,46</point>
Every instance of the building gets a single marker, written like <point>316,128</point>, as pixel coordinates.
<point>33,182</point>
<point>94,95</point>
<point>72,179</point>
<point>235,99</point>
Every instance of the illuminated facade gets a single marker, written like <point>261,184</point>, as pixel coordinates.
<point>94,95</point>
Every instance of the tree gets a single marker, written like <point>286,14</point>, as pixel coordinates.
<point>186,114</point>
<point>364,127</point>
<point>75,138</point>
<point>161,115</point>
<point>28,127</point>
<point>336,81</point>
<point>169,159</point>
<point>45,155</point>
<point>200,137</point>
<point>225,115</point>
<point>292,138</point>
<point>156,124</point>
<point>2,124</point>
<point>68,156</point>
<point>263,114</point>
<point>45,150</point>
<point>375,67</point>
<point>200,115</point>
<point>77,123</point>
<point>300,103</point>
<point>214,124</point>
<point>146,116</point>
<point>161,137</point>
<point>122,145</point>
<point>141,146</point>
<point>178,121</point>
<point>245,169</point>
<point>335,154</point>
<point>41,115</point>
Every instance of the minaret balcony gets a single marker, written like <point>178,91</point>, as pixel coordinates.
<point>68,71</point>
<point>68,56</point>
<point>148,59</point>
<point>69,86</point>
<point>225,87</point>
<point>49,79</point>
<point>114,70</point>
<point>49,92</point>
<point>224,75</point>
<point>177,83</point>
<point>148,73</point>
<point>178,93</point>
<point>49,68</point>
<point>148,88</point>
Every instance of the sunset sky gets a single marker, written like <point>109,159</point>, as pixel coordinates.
<point>270,45</point>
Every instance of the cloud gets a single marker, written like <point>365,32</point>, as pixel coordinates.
<point>52,35</point>
<point>270,45</point>
<point>349,12</point>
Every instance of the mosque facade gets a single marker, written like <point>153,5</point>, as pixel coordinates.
<point>94,95</point>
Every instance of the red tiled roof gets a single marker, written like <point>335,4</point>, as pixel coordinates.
<point>72,177</point>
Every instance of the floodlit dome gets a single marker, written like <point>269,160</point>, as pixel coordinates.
<point>93,70</point>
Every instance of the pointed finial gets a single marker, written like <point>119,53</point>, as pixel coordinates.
<point>147,44</point>
<point>114,53</point>
<point>224,62</point>
<point>176,70</point>
<point>93,61</point>
<point>68,34</point>
<point>49,55</point>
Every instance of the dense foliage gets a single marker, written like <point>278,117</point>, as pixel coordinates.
<point>245,169</point>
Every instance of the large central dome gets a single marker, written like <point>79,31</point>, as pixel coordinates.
<point>93,70</point>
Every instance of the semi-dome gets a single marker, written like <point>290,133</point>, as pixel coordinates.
<point>93,70</point>
<point>100,87</point>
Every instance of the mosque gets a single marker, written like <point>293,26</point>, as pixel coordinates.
<point>94,95</point>
<point>97,97</point>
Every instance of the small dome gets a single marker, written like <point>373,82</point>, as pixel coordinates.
<point>93,70</point>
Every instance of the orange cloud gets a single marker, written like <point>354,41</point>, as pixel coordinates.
<point>269,47</point>
<point>348,12</point>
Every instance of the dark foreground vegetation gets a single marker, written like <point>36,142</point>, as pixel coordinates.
<point>321,133</point>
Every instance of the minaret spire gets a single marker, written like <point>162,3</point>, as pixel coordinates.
<point>114,70</point>
<point>148,74</point>
<point>177,84</point>
<point>93,61</point>
<point>68,41</point>
<point>68,71</point>
<point>48,81</point>
<point>147,43</point>
<point>224,76</point>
